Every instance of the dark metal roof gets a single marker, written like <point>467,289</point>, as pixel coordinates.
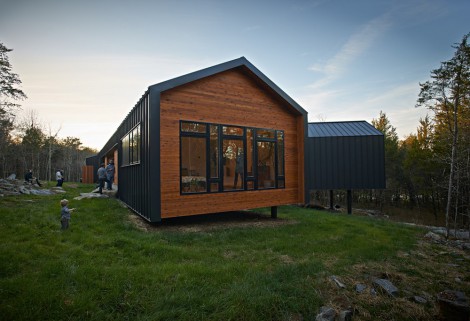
<point>241,62</point>
<point>342,129</point>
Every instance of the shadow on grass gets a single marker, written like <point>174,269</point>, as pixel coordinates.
<point>208,222</point>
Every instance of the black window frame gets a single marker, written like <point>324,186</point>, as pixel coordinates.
<point>220,138</point>
<point>133,152</point>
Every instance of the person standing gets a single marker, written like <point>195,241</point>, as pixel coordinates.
<point>101,177</point>
<point>65,214</point>
<point>110,174</point>
<point>28,177</point>
<point>59,177</point>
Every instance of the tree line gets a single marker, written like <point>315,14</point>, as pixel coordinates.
<point>26,144</point>
<point>430,168</point>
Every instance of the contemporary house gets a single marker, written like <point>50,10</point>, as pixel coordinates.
<point>224,138</point>
<point>344,156</point>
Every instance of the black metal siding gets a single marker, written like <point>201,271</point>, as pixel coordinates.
<point>134,180</point>
<point>355,162</point>
<point>152,158</point>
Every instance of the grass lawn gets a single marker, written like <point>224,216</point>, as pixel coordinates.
<point>107,268</point>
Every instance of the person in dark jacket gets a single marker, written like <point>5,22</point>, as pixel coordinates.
<point>28,176</point>
<point>110,174</point>
<point>101,177</point>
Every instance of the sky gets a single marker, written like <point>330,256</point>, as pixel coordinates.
<point>85,64</point>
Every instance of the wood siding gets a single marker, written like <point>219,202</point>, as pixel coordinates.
<point>232,97</point>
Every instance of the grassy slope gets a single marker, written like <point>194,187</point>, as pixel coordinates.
<point>104,268</point>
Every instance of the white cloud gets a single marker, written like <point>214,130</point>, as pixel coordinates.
<point>353,48</point>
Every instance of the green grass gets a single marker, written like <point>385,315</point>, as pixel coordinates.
<point>105,268</point>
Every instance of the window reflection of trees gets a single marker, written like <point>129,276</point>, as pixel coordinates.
<point>266,165</point>
<point>131,147</point>
<point>213,155</point>
<point>233,175</point>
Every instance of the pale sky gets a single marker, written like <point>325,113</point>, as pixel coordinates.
<point>85,64</point>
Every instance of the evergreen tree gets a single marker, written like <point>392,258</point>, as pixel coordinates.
<point>9,95</point>
<point>448,95</point>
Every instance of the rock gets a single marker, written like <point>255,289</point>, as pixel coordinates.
<point>326,314</point>
<point>433,236</point>
<point>338,282</point>
<point>453,305</point>
<point>41,192</point>
<point>387,286</point>
<point>58,191</point>
<point>90,195</point>
<point>360,288</point>
<point>373,292</point>
<point>24,190</point>
<point>419,299</point>
<point>346,315</point>
<point>12,176</point>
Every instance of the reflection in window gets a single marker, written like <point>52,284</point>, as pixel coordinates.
<point>231,130</point>
<point>280,153</point>
<point>265,133</point>
<point>193,164</point>
<point>131,147</point>
<point>249,153</point>
<point>191,127</point>
<point>233,164</point>
<point>125,150</point>
<point>213,157</point>
<point>214,151</point>
<point>266,165</point>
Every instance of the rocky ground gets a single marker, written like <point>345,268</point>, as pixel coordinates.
<point>17,187</point>
<point>13,186</point>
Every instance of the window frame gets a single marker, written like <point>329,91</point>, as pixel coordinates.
<point>134,152</point>
<point>253,178</point>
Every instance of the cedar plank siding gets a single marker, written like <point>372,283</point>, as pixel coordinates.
<point>232,97</point>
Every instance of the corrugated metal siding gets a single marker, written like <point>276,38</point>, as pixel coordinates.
<point>134,182</point>
<point>345,161</point>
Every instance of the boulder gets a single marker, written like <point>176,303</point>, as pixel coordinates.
<point>90,195</point>
<point>453,305</point>
<point>326,314</point>
<point>387,286</point>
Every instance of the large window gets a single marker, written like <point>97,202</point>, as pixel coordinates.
<point>222,158</point>
<point>131,147</point>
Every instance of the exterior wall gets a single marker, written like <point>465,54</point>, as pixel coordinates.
<point>87,174</point>
<point>138,186</point>
<point>356,162</point>
<point>232,97</point>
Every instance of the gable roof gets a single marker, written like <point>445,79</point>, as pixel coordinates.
<point>342,129</point>
<point>241,62</point>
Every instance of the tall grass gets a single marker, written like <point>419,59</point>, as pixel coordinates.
<point>105,268</point>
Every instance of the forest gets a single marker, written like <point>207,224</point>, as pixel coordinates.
<point>429,169</point>
<point>26,143</point>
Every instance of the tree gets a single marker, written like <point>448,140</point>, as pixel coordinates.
<point>393,156</point>
<point>447,94</point>
<point>9,94</point>
<point>32,143</point>
<point>420,165</point>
